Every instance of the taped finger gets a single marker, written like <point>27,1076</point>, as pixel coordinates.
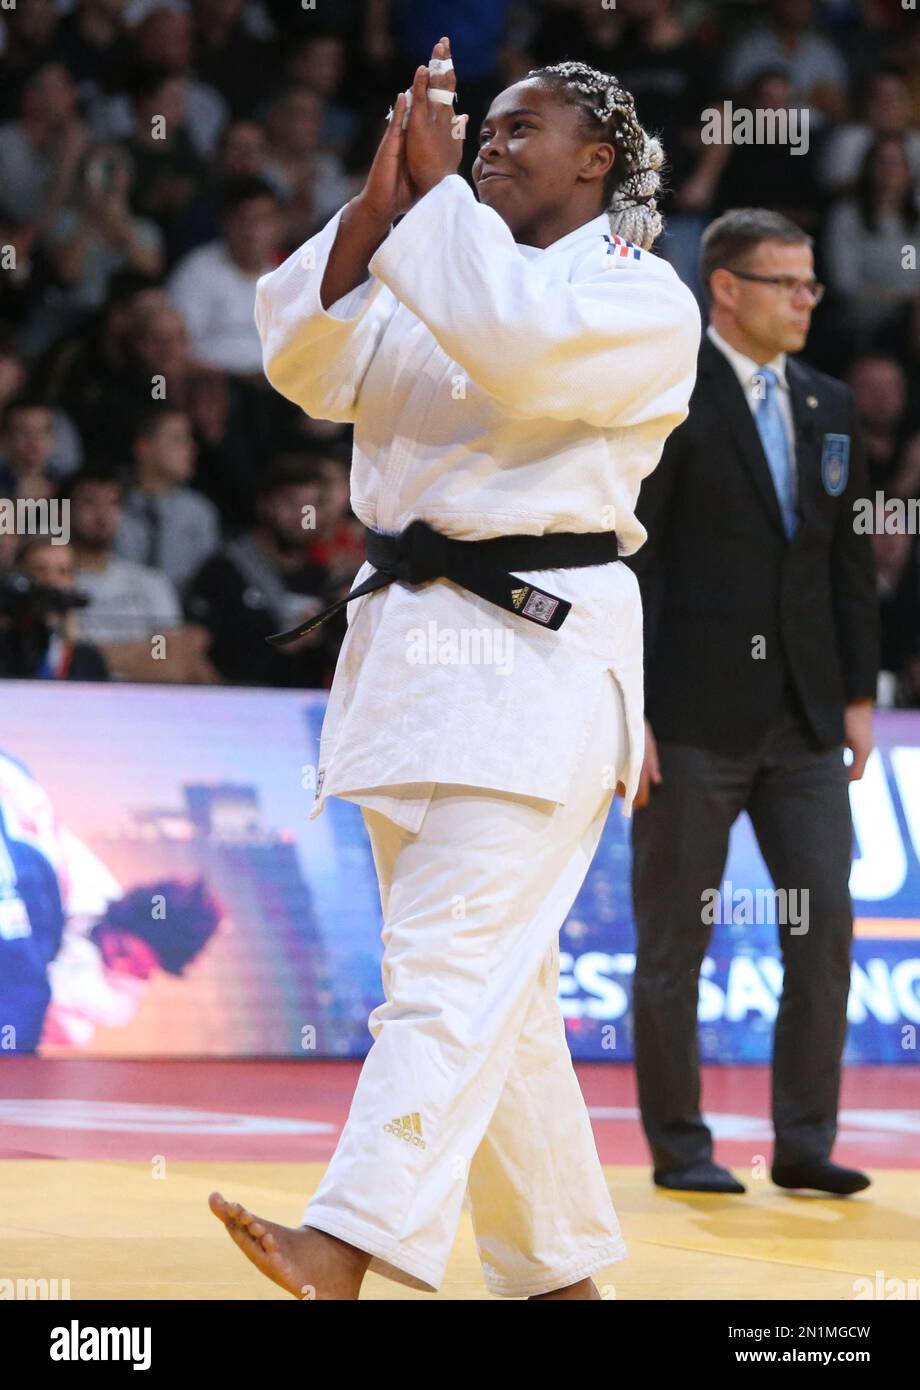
<point>440,95</point>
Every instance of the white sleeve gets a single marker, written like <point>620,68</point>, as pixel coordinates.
<point>617,348</point>
<point>318,357</point>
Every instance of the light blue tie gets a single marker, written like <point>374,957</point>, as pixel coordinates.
<point>772,431</point>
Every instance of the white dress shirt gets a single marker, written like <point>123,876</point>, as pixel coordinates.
<point>494,388</point>
<point>749,373</point>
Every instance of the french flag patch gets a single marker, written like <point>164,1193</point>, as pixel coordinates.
<point>616,246</point>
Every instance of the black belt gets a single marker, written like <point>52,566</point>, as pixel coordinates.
<point>419,554</point>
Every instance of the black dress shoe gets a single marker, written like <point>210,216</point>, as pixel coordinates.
<point>821,1175</point>
<point>699,1177</point>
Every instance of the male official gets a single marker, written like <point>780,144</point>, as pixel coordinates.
<point>761,640</point>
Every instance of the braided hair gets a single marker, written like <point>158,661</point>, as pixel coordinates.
<point>632,186</point>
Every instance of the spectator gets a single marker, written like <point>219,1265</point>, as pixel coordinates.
<point>295,102</point>
<point>241,154</point>
<point>129,604</point>
<point>336,542</point>
<point>908,60</point>
<point>40,153</point>
<point>29,33</point>
<point>296,160</point>
<point>28,444</point>
<point>260,584</point>
<point>13,373</point>
<point>888,112</point>
<point>215,286</point>
<point>86,372</point>
<point>164,41</point>
<point>167,169</point>
<point>317,64</point>
<point>24,274</point>
<point>865,240</point>
<point>578,29</point>
<point>66,451</point>
<point>93,45</point>
<point>98,236</point>
<point>817,71</point>
<point>668,73</point>
<point>773,174</point>
<point>232,418</point>
<point>166,525</point>
<point>45,643</point>
<point>243,151</point>
<point>234,61</point>
<point>880,395</point>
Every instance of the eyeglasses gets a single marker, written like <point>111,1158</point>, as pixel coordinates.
<point>787,283</point>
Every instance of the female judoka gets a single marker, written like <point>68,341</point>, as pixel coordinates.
<point>512,360</point>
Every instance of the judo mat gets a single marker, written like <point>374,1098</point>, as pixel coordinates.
<point>105,1168</point>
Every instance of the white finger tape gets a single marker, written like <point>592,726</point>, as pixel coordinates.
<point>440,65</point>
<point>437,94</point>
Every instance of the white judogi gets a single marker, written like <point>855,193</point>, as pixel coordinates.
<point>494,388</point>
<point>469,1086</point>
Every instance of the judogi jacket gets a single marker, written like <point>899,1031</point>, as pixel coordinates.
<point>494,388</point>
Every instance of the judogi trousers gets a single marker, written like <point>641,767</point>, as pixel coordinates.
<point>469,1085</point>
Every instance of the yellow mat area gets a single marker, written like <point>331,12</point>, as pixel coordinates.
<point>117,1230</point>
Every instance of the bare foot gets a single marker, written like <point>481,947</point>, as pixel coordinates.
<point>585,1288</point>
<point>307,1263</point>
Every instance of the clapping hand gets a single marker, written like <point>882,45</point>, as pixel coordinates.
<point>420,147</point>
<point>435,135</point>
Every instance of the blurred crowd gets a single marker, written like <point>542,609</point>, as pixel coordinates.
<point>158,156</point>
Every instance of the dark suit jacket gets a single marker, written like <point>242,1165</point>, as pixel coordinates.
<point>717,571</point>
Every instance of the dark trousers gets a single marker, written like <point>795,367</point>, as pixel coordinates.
<point>798,802</point>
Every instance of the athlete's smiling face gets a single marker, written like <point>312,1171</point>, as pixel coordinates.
<point>535,162</point>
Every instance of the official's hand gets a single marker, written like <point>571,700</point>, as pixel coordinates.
<point>651,771</point>
<point>435,144</point>
<point>859,739</point>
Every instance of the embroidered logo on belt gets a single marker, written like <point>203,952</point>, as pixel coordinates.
<point>540,607</point>
<point>518,596</point>
<point>408,1127</point>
